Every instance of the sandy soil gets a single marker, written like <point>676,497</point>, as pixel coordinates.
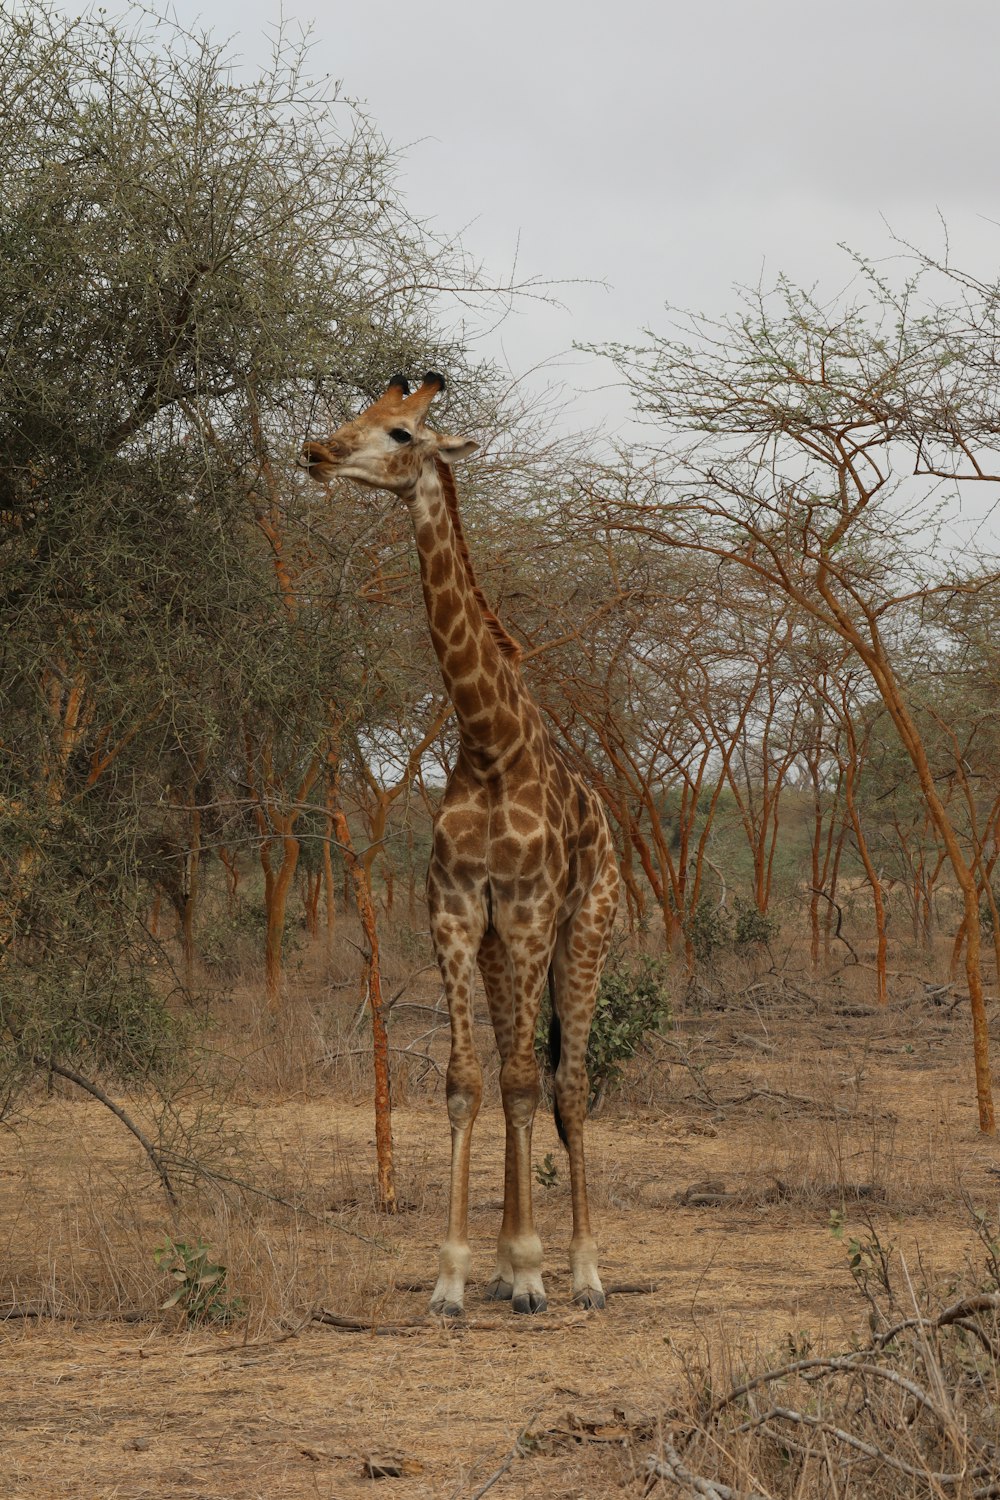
<point>713,1180</point>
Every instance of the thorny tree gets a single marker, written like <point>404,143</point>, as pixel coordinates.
<point>813,447</point>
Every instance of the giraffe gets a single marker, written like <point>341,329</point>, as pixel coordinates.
<point>523,881</point>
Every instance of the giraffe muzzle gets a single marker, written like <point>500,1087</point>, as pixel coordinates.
<point>319,456</point>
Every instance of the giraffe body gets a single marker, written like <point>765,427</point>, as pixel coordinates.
<point>522,879</point>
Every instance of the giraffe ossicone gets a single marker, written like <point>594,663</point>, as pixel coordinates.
<point>522,883</point>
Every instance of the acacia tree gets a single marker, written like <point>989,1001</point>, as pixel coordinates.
<point>803,445</point>
<point>193,267</point>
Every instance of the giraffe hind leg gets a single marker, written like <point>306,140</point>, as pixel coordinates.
<point>581,948</point>
<point>494,966</point>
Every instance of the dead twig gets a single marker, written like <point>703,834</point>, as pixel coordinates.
<point>672,1466</point>
<point>514,1451</point>
<point>840,920</point>
<point>870,1450</point>
<point>331,1057</point>
<point>271,1343</point>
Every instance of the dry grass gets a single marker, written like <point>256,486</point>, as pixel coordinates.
<point>739,1144</point>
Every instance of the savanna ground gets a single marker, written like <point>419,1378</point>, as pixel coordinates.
<point>774,1112</point>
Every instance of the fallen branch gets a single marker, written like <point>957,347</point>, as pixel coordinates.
<point>459,1325</point>
<point>50,1313</point>
<point>271,1343</point>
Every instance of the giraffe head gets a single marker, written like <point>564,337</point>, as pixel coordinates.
<point>387,446</point>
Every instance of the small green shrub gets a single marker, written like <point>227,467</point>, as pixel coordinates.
<point>631,1002</point>
<point>711,928</point>
<point>227,938</point>
<point>708,929</point>
<point>201,1289</point>
<point>752,926</point>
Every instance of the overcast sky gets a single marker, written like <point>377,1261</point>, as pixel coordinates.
<point>669,150</point>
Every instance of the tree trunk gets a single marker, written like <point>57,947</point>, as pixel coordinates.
<point>276,888</point>
<point>232,869</point>
<point>310,886</point>
<point>881,981</point>
<point>815,888</point>
<point>828,927</point>
<point>329,894</point>
<point>191,888</point>
<point>963,874</point>
<point>276,826</point>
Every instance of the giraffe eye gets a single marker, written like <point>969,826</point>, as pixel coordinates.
<point>400,435</point>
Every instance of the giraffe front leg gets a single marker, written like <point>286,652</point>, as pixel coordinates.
<point>456,949</point>
<point>494,966</point>
<point>519,1245</point>
<point>465,1087</point>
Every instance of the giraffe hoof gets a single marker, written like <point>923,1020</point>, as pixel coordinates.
<point>444,1309</point>
<point>498,1290</point>
<point>529,1302</point>
<point>589,1296</point>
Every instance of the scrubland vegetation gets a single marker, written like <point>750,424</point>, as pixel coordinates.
<point>768,638</point>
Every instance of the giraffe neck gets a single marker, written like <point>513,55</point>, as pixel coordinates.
<point>478,658</point>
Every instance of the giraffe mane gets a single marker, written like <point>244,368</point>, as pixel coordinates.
<point>506,644</point>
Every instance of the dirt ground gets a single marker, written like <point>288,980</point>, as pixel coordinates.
<point>714,1176</point>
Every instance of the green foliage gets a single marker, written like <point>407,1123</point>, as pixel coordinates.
<point>631,1003</point>
<point>310,830</point>
<point>752,927</point>
<point>711,928</point>
<point>193,268</point>
<point>201,1283</point>
<point>708,929</point>
<point>547,1172</point>
<point>78,980</point>
<point>228,939</point>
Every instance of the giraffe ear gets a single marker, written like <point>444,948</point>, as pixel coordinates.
<point>453,450</point>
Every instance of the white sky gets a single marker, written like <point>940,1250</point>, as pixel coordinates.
<point>668,149</point>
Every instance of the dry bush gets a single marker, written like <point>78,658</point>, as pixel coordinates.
<point>908,1410</point>
<point>293,1224</point>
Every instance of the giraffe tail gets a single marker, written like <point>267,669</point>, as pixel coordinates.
<point>555,1052</point>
